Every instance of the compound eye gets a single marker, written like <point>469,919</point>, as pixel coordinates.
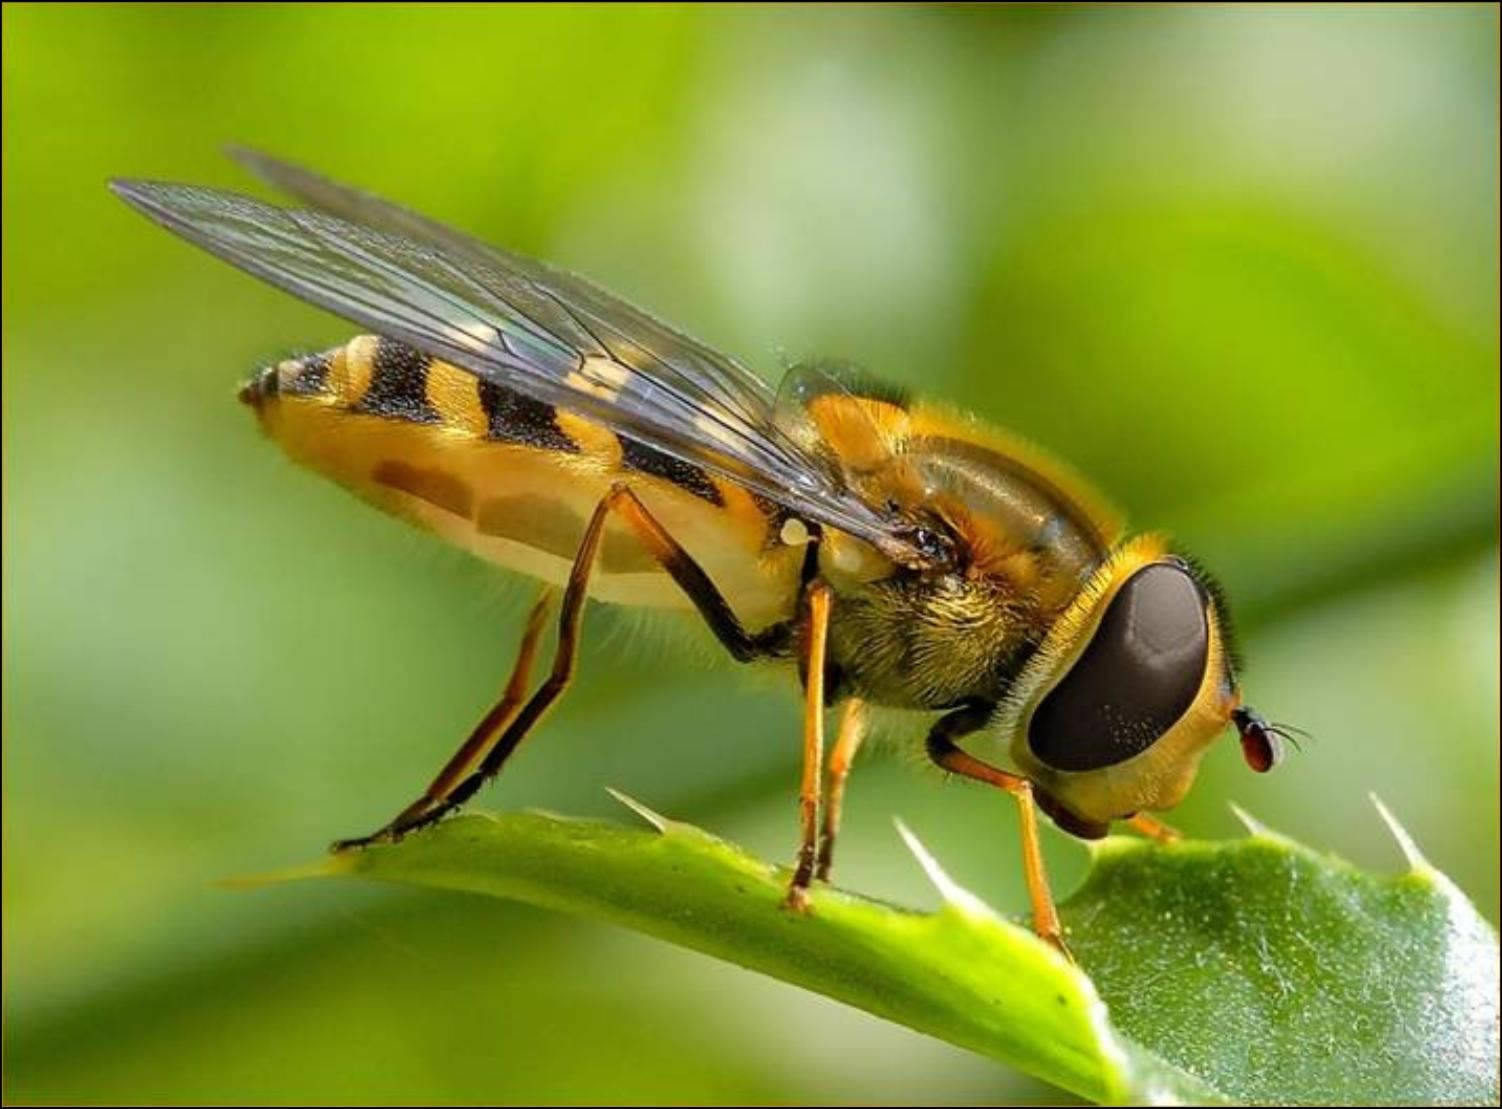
<point>1139,675</point>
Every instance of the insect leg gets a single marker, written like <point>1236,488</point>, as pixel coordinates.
<point>943,750</point>
<point>717,613</point>
<point>1153,828</point>
<point>569,618</point>
<point>847,743</point>
<point>744,646</point>
<point>818,598</point>
<point>695,583</point>
<point>485,734</point>
<point>504,727</point>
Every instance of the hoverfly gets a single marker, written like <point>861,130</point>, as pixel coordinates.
<point>893,554</point>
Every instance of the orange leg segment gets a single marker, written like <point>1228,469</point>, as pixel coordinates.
<point>819,600</point>
<point>847,742</point>
<point>943,750</point>
<point>570,616</point>
<point>1153,828</point>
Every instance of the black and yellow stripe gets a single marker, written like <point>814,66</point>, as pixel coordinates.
<point>384,378</point>
<point>514,478</point>
<point>397,385</point>
<point>642,459</point>
<point>512,417</point>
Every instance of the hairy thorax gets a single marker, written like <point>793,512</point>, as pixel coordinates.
<point>931,642</point>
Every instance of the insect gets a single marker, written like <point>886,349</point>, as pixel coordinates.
<point>892,553</point>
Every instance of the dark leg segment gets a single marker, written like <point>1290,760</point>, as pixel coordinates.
<point>504,727</point>
<point>943,750</point>
<point>569,618</point>
<point>486,732</point>
<point>694,582</point>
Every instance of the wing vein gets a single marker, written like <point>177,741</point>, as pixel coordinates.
<point>520,324</point>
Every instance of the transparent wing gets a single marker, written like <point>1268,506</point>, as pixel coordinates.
<point>631,335</point>
<point>523,326</point>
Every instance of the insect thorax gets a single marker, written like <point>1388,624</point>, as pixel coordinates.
<point>1023,546</point>
<point>930,642</point>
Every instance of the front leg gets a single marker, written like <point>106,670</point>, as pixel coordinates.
<point>1153,828</point>
<point>943,750</point>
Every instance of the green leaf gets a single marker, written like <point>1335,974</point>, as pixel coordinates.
<point>1246,971</point>
<point>1276,974</point>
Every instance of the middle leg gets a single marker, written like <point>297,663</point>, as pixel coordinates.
<point>818,599</point>
<point>847,742</point>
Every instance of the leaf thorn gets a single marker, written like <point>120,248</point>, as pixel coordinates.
<point>1406,844</point>
<point>1255,828</point>
<point>656,819</point>
<point>951,891</point>
<point>546,814</point>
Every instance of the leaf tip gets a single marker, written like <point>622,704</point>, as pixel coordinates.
<point>330,866</point>
<point>1405,841</point>
<point>656,819</point>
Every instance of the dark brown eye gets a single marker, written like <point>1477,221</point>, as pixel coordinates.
<point>1140,673</point>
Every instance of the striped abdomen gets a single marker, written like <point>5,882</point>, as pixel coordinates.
<point>514,479</point>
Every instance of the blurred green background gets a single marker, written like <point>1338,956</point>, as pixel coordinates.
<point>1238,263</point>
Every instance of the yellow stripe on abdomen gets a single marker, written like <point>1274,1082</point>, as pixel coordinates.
<point>514,480</point>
